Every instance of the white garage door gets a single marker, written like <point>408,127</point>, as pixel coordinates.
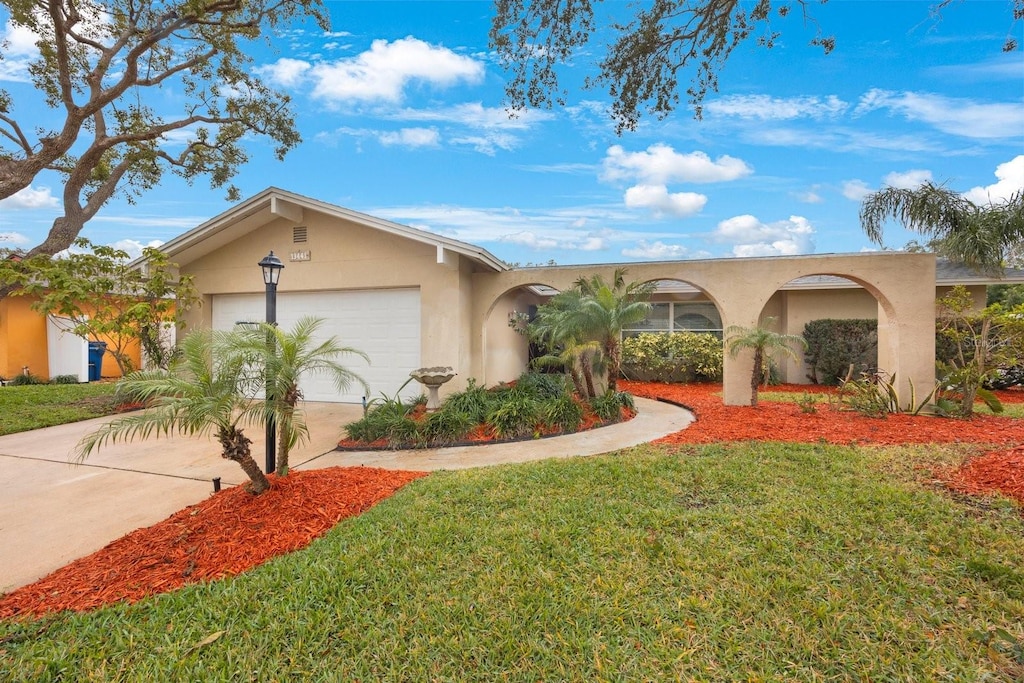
<point>384,324</point>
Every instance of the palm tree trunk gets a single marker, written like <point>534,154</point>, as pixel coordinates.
<point>235,447</point>
<point>755,377</point>
<point>588,375</point>
<point>577,381</point>
<point>614,353</point>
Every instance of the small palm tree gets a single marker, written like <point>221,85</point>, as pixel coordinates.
<point>980,236</point>
<point>201,392</point>
<point>288,357</point>
<point>607,309</point>
<point>583,326</point>
<point>764,342</point>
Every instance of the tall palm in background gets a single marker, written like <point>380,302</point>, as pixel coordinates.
<point>764,342</point>
<point>202,391</point>
<point>981,236</point>
<point>291,355</point>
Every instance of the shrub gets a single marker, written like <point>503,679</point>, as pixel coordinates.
<point>834,345</point>
<point>540,385</point>
<point>609,406</point>
<point>26,379</point>
<point>672,357</point>
<point>564,412</point>
<point>389,420</point>
<point>446,426</point>
<point>475,402</point>
<point>64,379</point>
<point>515,416</point>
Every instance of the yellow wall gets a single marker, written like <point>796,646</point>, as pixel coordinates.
<point>22,338</point>
<point>23,341</point>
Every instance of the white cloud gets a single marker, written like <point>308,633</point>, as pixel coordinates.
<point>475,115</point>
<point>658,199</point>
<point>30,198</point>
<point>411,137</point>
<point>1010,177</point>
<point>13,238</point>
<point>488,143</point>
<point>383,72</point>
<point>751,237</point>
<point>660,164</point>
<point>809,197</point>
<point>134,247</point>
<point>570,242</point>
<point>19,49</point>
<point>856,190</point>
<point>908,180</point>
<point>765,107</point>
<point>656,251</point>
<point>285,72</point>
<point>956,116</point>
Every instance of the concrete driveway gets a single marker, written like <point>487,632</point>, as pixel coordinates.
<point>53,512</point>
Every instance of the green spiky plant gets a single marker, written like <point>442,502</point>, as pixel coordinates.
<point>201,392</point>
<point>291,355</point>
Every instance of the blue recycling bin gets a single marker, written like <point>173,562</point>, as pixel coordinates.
<point>96,351</point>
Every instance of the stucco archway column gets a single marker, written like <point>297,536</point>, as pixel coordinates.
<point>736,370</point>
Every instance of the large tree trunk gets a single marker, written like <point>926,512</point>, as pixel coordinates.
<point>235,447</point>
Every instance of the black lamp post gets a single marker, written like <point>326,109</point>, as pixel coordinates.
<point>272,267</point>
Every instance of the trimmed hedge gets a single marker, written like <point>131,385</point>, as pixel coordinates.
<point>672,357</point>
<point>833,345</point>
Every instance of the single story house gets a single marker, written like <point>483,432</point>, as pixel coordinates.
<point>411,298</point>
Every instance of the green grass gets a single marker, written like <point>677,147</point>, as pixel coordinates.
<point>760,562</point>
<point>45,405</point>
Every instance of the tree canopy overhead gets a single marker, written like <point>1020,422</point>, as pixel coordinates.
<point>106,68</point>
<point>646,58</point>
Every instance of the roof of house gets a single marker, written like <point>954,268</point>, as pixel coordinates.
<point>273,203</point>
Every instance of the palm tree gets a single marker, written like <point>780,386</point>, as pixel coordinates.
<point>201,392</point>
<point>764,342</point>
<point>608,308</point>
<point>288,357</point>
<point>554,331</point>
<point>982,236</point>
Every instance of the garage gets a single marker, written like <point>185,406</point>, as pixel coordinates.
<point>384,324</point>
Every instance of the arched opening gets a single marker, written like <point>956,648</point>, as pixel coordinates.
<point>805,303</point>
<point>676,306</point>
<point>506,350</point>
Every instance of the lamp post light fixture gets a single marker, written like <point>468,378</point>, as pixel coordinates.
<point>272,267</point>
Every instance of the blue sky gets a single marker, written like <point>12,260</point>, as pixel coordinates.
<point>401,111</point>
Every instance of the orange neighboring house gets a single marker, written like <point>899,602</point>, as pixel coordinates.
<point>26,341</point>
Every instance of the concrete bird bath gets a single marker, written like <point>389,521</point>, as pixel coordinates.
<point>432,379</point>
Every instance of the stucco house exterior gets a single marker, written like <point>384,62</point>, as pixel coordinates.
<point>411,298</point>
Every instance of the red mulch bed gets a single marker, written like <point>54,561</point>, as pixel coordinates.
<point>232,531</point>
<point>776,421</point>
<point>224,535</point>
<point>1000,471</point>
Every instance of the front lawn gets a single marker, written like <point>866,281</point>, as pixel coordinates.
<point>44,405</point>
<point>755,561</point>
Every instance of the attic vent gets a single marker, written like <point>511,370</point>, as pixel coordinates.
<point>299,234</point>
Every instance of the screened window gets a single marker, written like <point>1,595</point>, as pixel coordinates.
<point>679,317</point>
